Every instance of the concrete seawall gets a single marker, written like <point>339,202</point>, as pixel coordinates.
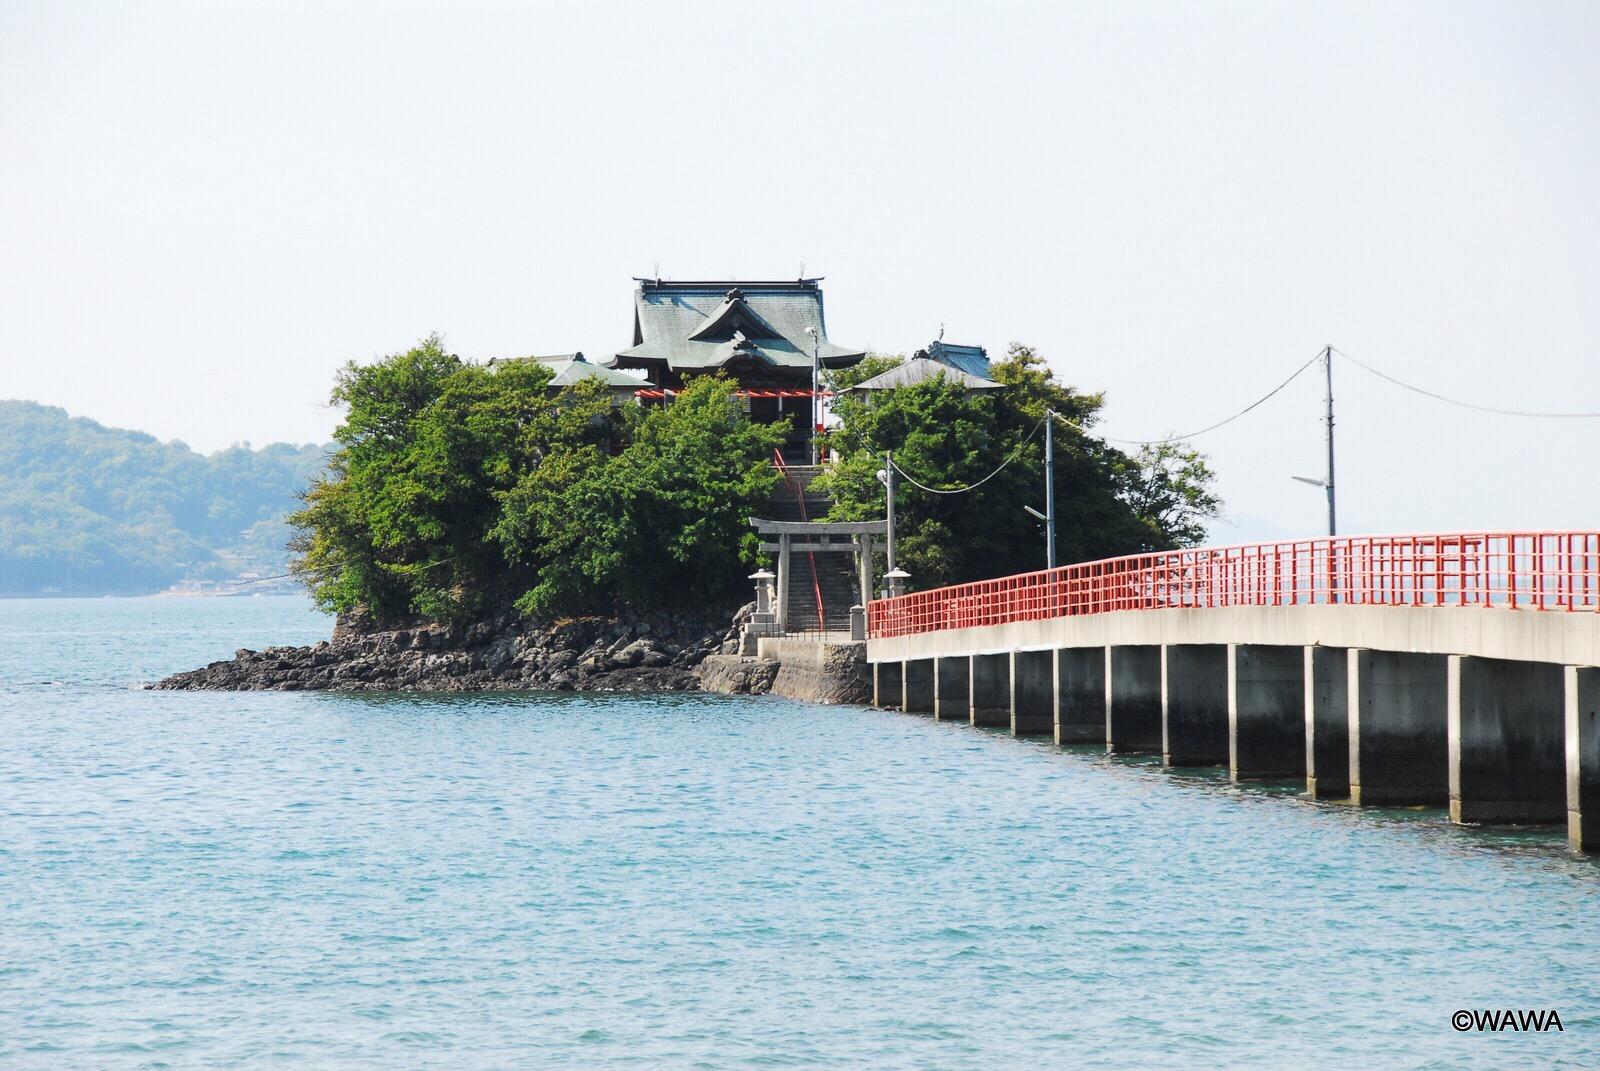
<point>795,667</point>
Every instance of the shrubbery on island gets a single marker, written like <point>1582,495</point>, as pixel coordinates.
<point>458,488</point>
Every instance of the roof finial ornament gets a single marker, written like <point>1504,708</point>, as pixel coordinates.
<point>735,294</point>
<point>941,333</point>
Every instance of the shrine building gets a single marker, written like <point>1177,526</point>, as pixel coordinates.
<point>766,336</point>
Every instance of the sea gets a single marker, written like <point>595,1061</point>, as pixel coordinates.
<point>299,880</point>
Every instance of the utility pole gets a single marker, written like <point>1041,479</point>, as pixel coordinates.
<point>1327,366</point>
<point>1049,489</point>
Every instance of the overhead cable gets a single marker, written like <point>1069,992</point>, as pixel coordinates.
<point>1211,427</point>
<point>1465,405</point>
<point>960,490</point>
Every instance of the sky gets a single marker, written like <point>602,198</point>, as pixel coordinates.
<point>206,209</point>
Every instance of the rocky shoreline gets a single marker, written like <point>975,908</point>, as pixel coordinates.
<point>625,652</point>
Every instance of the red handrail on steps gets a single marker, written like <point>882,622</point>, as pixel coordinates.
<point>811,558</point>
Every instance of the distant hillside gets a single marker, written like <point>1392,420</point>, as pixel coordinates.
<point>90,510</point>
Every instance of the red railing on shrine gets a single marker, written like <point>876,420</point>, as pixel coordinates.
<point>811,559</point>
<point>1506,570</point>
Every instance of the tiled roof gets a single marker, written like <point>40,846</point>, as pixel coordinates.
<point>700,326</point>
<point>920,370</point>
<point>973,360</point>
<point>570,368</point>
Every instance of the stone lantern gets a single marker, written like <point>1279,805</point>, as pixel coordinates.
<point>766,592</point>
<point>897,578</point>
<point>764,622</point>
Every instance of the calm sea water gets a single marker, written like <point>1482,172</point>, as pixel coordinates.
<point>300,880</point>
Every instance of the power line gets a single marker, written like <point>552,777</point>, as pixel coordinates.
<point>971,486</point>
<point>1465,405</point>
<point>1212,427</point>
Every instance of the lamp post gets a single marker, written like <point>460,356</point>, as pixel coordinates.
<point>816,401</point>
<point>886,477</point>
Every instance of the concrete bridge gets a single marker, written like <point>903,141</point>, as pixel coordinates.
<point>1453,670</point>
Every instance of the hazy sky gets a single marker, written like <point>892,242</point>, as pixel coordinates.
<point>205,209</point>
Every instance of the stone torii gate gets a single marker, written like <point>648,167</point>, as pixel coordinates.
<point>812,537</point>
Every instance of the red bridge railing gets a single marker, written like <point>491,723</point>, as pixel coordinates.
<point>1508,570</point>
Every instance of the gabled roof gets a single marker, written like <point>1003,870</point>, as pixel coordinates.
<point>570,368</point>
<point>701,326</point>
<point>577,368</point>
<point>920,370</point>
<point>971,359</point>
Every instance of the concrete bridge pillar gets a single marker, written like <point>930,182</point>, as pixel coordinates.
<point>1033,693</point>
<point>991,690</point>
<point>888,692</point>
<point>1327,722</point>
<point>1194,704</point>
<point>1507,740</point>
<point>918,686</point>
<point>952,689</point>
<point>1582,688</point>
<point>1266,712</point>
<point>1081,696</point>
<point>1399,728</point>
<point>1133,698</point>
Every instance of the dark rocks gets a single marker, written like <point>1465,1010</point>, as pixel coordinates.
<point>626,652</point>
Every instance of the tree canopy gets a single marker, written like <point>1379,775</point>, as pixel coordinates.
<point>458,486</point>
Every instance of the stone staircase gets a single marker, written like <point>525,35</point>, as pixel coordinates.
<point>834,573</point>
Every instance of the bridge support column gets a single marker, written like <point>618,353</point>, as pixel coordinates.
<point>888,692</point>
<point>991,690</point>
<point>1133,699</point>
<point>1081,696</point>
<point>1583,756</point>
<point>918,686</point>
<point>1033,693</point>
<point>1507,729</point>
<point>1399,728</point>
<point>1194,704</point>
<point>952,689</point>
<point>1327,717</point>
<point>1266,712</point>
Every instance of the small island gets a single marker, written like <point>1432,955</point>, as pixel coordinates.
<point>568,524</point>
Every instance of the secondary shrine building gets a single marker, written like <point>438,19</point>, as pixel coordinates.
<point>765,335</point>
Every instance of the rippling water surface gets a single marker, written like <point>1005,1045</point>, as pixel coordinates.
<point>304,880</point>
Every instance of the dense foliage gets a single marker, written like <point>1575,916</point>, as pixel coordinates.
<point>457,486</point>
<point>1107,503</point>
<point>91,510</point>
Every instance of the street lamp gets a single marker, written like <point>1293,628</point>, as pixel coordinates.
<point>816,402</point>
<point>1326,486</point>
<point>886,477</point>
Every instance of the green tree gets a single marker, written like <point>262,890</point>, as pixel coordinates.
<point>1169,489</point>
<point>429,447</point>
<point>665,522</point>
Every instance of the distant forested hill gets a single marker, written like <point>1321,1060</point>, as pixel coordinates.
<point>88,510</point>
